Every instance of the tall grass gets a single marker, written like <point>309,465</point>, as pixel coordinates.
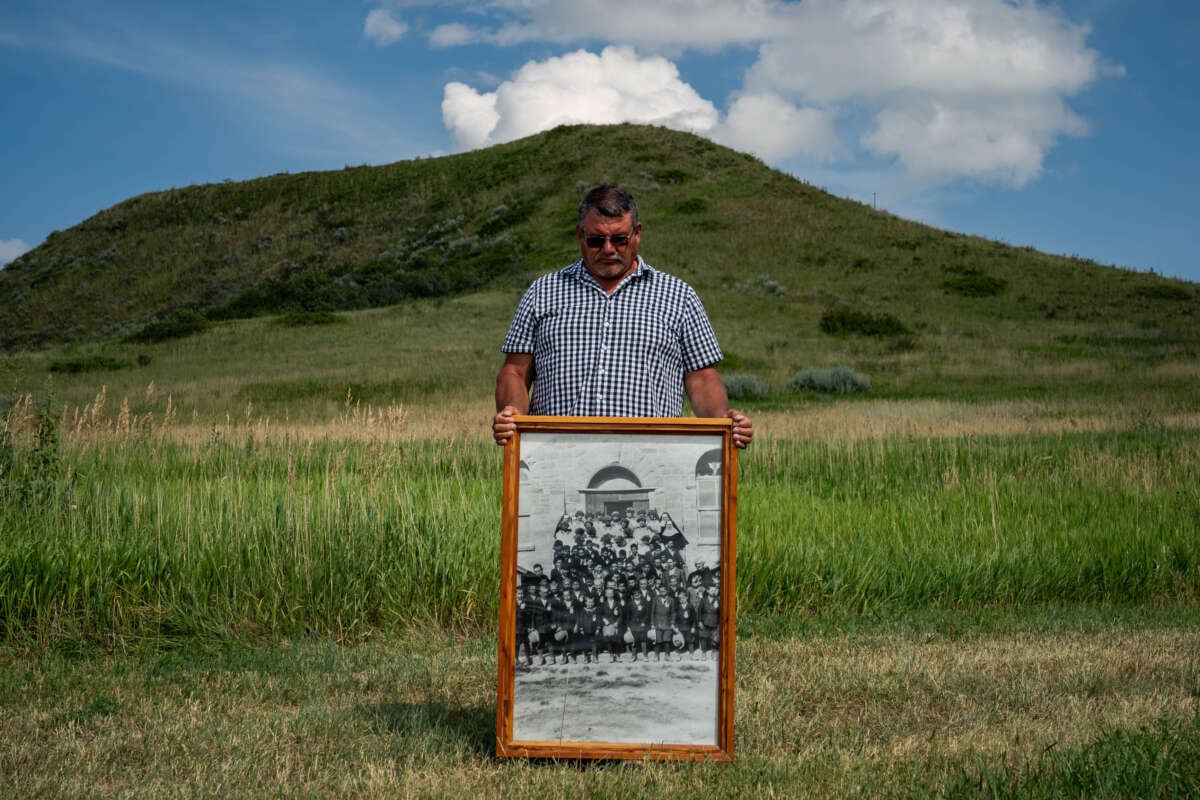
<point>897,523</point>
<point>146,538</point>
<point>136,535</point>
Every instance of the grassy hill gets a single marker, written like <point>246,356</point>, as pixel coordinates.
<point>793,277</point>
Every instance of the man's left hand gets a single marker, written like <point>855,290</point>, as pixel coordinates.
<point>743,429</point>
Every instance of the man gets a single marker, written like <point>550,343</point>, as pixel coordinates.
<point>709,618</point>
<point>637,622</point>
<point>525,624</point>
<point>587,628</point>
<point>562,621</point>
<point>612,620</point>
<point>609,335</point>
<point>685,625</point>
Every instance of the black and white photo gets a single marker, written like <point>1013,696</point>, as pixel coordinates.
<point>617,587</point>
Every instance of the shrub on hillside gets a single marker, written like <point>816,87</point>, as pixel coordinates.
<point>183,323</point>
<point>87,364</point>
<point>693,205</point>
<point>845,320</point>
<point>1162,291</point>
<point>745,386</point>
<point>969,282</point>
<point>303,319</point>
<point>761,286</point>
<point>835,380</point>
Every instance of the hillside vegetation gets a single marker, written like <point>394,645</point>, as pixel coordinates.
<point>372,236</point>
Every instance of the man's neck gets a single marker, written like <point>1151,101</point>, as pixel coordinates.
<point>610,285</point>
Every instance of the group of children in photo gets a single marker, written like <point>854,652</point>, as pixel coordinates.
<point>620,589</point>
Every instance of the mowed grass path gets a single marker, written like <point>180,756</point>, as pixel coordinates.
<point>1028,704</point>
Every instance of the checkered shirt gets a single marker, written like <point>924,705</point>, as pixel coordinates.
<point>618,355</point>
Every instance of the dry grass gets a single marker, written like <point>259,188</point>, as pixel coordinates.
<point>106,418</point>
<point>922,418</point>
<point>103,421</point>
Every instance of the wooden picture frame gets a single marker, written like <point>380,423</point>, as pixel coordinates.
<point>572,681</point>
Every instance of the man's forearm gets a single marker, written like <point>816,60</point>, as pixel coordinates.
<point>706,393</point>
<point>511,391</point>
<point>513,382</point>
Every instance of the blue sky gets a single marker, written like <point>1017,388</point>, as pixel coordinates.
<point>1069,127</point>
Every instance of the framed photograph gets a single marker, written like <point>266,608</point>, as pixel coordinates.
<point>617,589</point>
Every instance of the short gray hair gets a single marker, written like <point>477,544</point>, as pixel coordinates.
<point>609,201</point>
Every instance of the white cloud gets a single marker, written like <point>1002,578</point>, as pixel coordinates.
<point>1002,142</point>
<point>943,89</point>
<point>581,87</point>
<point>12,249</point>
<point>470,116</point>
<point>453,34</point>
<point>952,89</point>
<point>873,49</point>
<point>382,28</point>
<point>774,129</point>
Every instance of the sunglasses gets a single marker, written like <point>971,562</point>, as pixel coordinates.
<point>618,240</point>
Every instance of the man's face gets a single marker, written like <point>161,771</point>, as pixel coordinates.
<point>608,264</point>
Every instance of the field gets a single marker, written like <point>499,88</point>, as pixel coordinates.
<point>936,597</point>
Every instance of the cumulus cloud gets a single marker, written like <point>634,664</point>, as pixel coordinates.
<point>453,34</point>
<point>469,116</point>
<point>774,129</point>
<point>1003,142</point>
<point>581,87</point>
<point>382,28</point>
<point>12,249</point>
<point>874,49</point>
<point>953,89</point>
<point>942,89</point>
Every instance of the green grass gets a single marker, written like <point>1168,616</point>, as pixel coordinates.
<point>1152,761</point>
<point>222,539</point>
<point>229,536</point>
<point>1000,520</point>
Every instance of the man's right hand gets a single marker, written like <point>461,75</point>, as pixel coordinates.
<point>503,426</point>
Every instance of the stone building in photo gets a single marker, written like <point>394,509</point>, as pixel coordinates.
<point>577,474</point>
